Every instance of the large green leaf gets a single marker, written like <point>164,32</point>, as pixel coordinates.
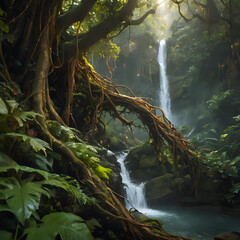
<point>4,27</point>
<point>4,235</point>
<point>38,160</point>
<point>35,143</point>
<point>22,198</point>
<point>6,164</point>
<point>66,183</point>
<point>235,160</point>
<point>28,116</point>
<point>3,107</point>
<point>6,161</point>
<point>67,225</point>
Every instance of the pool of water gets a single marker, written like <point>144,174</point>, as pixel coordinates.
<point>194,223</point>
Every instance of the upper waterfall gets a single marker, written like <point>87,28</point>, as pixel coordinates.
<point>164,96</point>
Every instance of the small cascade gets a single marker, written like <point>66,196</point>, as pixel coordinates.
<point>134,193</point>
<point>164,96</point>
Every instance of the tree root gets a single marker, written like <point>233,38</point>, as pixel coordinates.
<point>163,132</point>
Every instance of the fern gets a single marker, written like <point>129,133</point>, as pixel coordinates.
<point>12,113</point>
<point>64,133</point>
<point>102,172</point>
<point>71,186</point>
<point>88,154</point>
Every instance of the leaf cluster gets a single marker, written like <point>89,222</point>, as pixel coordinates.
<point>22,188</point>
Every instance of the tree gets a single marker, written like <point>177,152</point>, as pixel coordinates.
<point>44,47</point>
<point>211,12</point>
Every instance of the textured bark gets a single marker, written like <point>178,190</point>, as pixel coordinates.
<point>43,64</point>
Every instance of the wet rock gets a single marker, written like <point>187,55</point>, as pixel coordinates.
<point>228,236</point>
<point>109,160</point>
<point>161,188</point>
<point>141,163</point>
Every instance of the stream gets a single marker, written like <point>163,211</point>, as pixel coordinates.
<point>197,223</point>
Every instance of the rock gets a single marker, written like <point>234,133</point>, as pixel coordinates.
<point>161,188</point>
<point>141,163</point>
<point>227,236</point>
<point>109,160</point>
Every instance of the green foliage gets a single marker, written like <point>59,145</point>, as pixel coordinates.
<point>221,154</point>
<point>107,49</point>
<point>37,160</point>
<point>3,107</point>
<point>102,172</point>
<point>22,192</point>
<point>69,185</point>
<point>22,198</point>
<point>35,143</point>
<point>63,133</point>
<point>67,225</point>
<point>4,235</point>
<point>88,154</point>
<point>217,101</point>
<point>226,170</point>
<point>3,26</point>
<point>12,116</point>
<point>221,162</point>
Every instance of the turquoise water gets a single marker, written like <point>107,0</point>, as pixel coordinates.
<point>202,224</point>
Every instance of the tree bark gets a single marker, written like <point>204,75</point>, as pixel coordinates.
<point>43,64</point>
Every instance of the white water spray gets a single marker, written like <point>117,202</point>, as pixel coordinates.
<point>164,96</point>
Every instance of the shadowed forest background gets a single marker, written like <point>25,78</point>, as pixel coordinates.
<point>81,78</point>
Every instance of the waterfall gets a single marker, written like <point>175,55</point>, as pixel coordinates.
<point>134,193</point>
<point>164,97</point>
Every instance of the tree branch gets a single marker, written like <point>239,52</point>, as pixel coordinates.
<point>102,29</point>
<point>141,19</point>
<point>74,15</point>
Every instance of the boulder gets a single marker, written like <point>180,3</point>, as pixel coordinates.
<point>227,236</point>
<point>161,189</point>
<point>142,165</point>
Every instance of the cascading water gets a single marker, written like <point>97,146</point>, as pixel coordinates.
<point>197,224</point>
<point>164,96</point>
<point>134,193</point>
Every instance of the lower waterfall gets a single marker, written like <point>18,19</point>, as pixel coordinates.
<point>134,193</point>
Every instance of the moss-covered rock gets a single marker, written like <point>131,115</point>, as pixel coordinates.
<point>109,160</point>
<point>155,224</point>
<point>143,165</point>
<point>161,188</point>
